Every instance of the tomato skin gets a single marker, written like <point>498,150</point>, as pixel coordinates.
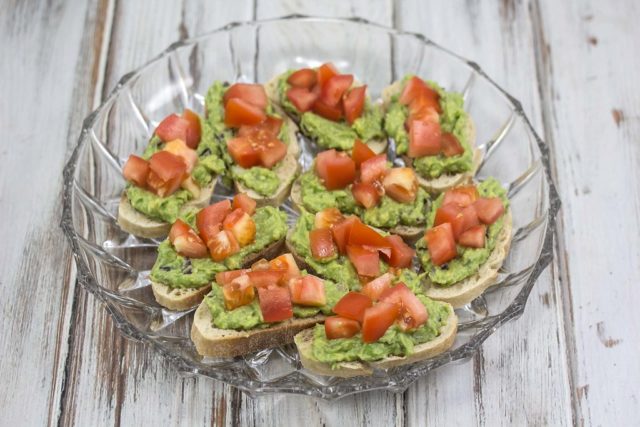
<point>337,170</point>
<point>225,277</point>
<point>244,202</point>
<point>461,219</point>
<point>275,303</point>
<point>401,253</point>
<point>412,312</point>
<point>172,127</point>
<point>375,288</point>
<point>243,152</point>
<point>325,72</point>
<point>241,225</point>
<point>239,112</point>
<point>473,237</point>
<point>166,172</point>
<point>194,130</point>
<point>265,278</point>
<point>287,264</point>
<point>489,209</point>
<point>366,194</point>
<point>450,145</point>
<point>373,168</point>
<point>308,291</point>
<point>263,132</point>
<point>272,153</point>
<point>401,184</point>
<point>363,235</point>
<point>361,152</point>
<point>327,218</point>
<point>209,219</point>
<point>321,242</point>
<point>462,196</point>
<point>412,89</point>
<point>238,292</point>
<point>223,245</point>
<point>341,232</point>
<point>302,98</point>
<point>136,170</point>
<point>353,103</point>
<point>377,320</point>
<point>338,327</point>
<point>304,77</point>
<point>441,244</point>
<point>186,242</point>
<point>329,112</point>
<point>249,92</point>
<point>365,261</point>
<point>424,139</point>
<point>353,306</point>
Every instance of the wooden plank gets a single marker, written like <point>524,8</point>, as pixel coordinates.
<point>523,361</point>
<point>587,56</point>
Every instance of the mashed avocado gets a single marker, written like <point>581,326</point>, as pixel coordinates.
<point>177,271</point>
<point>261,180</point>
<point>468,260</point>
<point>250,316</point>
<point>394,342</point>
<point>453,119</point>
<point>316,197</point>
<point>156,207</point>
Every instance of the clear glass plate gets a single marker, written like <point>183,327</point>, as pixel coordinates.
<point>114,265</point>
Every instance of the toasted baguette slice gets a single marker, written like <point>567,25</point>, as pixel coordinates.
<point>469,289</point>
<point>185,298</point>
<point>304,341</point>
<point>138,224</point>
<point>444,182</point>
<point>378,146</point>
<point>409,234</point>
<point>213,342</point>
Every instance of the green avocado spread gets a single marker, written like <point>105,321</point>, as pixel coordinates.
<point>469,260</point>
<point>250,316</point>
<point>177,271</point>
<point>453,119</point>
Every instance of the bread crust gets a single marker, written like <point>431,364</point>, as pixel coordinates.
<point>423,351</point>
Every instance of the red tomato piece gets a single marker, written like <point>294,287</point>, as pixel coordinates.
<point>365,261</point>
<point>180,149</point>
<point>222,245</point>
<point>353,103</point>
<point>238,292</point>
<point>241,225</point>
<point>243,152</point>
<point>361,152</point>
<point>321,242</point>
<point>304,78</point>
<point>401,184</point>
<point>244,202</point>
<point>447,213</point>
<point>424,139</point>
<point>461,219</point>
<point>441,243</point>
<point>136,170</point>
<point>373,168</point>
<point>450,145</point>
<point>308,290</point>
<point>353,306</point>
<point>186,241</point>
<point>338,327</point>
<point>166,173</point>
<point>275,304</point>
<point>265,278</point>
<point>263,132</point>
<point>325,72</point>
<point>225,277</point>
<point>462,196</point>
<point>362,235</point>
<point>327,218</point>
<point>337,170</point>
<point>194,130</point>
<point>473,237</point>
<point>401,253</point>
<point>302,98</point>
<point>412,312</point>
<point>272,153</point>
<point>209,220</point>
<point>424,110</point>
<point>239,112</point>
<point>377,320</point>
<point>341,232</point>
<point>252,93</point>
<point>329,112</point>
<point>489,209</point>
<point>172,127</point>
<point>412,89</point>
<point>287,264</point>
<point>377,286</point>
<point>366,194</point>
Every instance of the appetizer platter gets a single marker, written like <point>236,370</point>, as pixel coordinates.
<point>304,219</point>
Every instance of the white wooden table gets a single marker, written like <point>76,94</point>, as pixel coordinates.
<point>571,359</point>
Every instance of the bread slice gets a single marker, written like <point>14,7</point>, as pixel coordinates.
<point>470,288</point>
<point>378,146</point>
<point>214,342</point>
<point>138,224</point>
<point>440,344</point>
<point>444,182</point>
<point>185,298</point>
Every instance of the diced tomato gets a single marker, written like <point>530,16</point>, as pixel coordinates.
<point>473,237</point>
<point>243,153</point>
<point>446,213</point>
<point>450,145</point>
<point>173,127</point>
<point>321,242</point>
<point>272,153</point>
<point>301,98</point>
<point>441,243</point>
<point>401,184</point>
<point>329,112</point>
<point>275,304</point>
<point>265,278</point>
<point>327,218</point>
<point>223,245</point>
<point>377,286</point>
<point>225,277</point>
<point>209,220</point>
<point>252,93</point>
<point>287,264</point>
<point>373,168</point>
<point>341,232</point>
<point>304,77</point>
<point>362,234</point>
<point>461,219</point>
<point>186,241</point>
<point>238,292</point>
<point>489,209</point>
<point>308,290</point>
<point>353,306</point>
<point>424,139</point>
<point>136,170</point>
<point>241,225</point>
<point>462,196</point>
<point>412,312</point>
<point>337,170</point>
<point>365,261</point>
<point>412,89</point>
<point>366,194</point>
<point>194,130</point>
<point>424,109</point>
<point>353,103</point>
<point>401,253</point>
<point>166,172</point>
<point>377,320</point>
<point>244,202</point>
<point>338,327</point>
<point>325,72</point>
<point>179,148</point>
<point>239,112</point>
<point>261,265</point>
<point>264,131</point>
<point>361,152</point>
